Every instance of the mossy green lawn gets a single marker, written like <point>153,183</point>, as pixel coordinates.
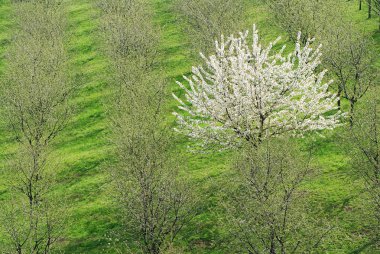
<point>84,152</point>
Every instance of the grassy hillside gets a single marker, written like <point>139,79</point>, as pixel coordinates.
<point>85,153</point>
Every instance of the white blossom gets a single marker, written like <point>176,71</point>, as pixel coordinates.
<point>252,92</point>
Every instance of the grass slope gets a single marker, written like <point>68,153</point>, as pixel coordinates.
<point>85,153</point>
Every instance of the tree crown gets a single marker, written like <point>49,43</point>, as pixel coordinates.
<point>252,92</point>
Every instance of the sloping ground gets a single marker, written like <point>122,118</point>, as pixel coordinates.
<point>86,154</point>
<point>83,144</point>
<point>5,30</point>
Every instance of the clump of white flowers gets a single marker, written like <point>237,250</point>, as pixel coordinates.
<point>252,92</point>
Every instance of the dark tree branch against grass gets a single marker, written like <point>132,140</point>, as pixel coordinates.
<point>369,3</point>
<point>35,92</point>
<point>376,8</point>
<point>373,6</point>
<point>267,209</point>
<point>349,56</point>
<point>206,20</point>
<point>365,140</point>
<point>155,201</point>
<point>306,16</point>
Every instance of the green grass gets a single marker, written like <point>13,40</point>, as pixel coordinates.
<point>85,152</point>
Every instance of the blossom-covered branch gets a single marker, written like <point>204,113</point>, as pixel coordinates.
<point>249,93</point>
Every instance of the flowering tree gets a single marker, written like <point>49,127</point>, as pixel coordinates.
<point>251,93</point>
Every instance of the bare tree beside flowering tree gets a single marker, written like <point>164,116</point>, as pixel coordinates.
<point>250,93</point>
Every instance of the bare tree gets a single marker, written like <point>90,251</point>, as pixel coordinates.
<point>267,210</point>
<point>349,57</point>
<point>305,16</point>
<point>127,33</point>
<point>32,216</point>
<point>35,92</point>
<point>365,139</point>
<point>206,20</point>
<point>155,202</point>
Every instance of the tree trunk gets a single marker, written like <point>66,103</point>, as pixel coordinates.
<point>360,5</point>
<point>352,108</point>
<point>272,244</point>
<point>261,129</point>
<point>338,95</point>
<point>369,9</point>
